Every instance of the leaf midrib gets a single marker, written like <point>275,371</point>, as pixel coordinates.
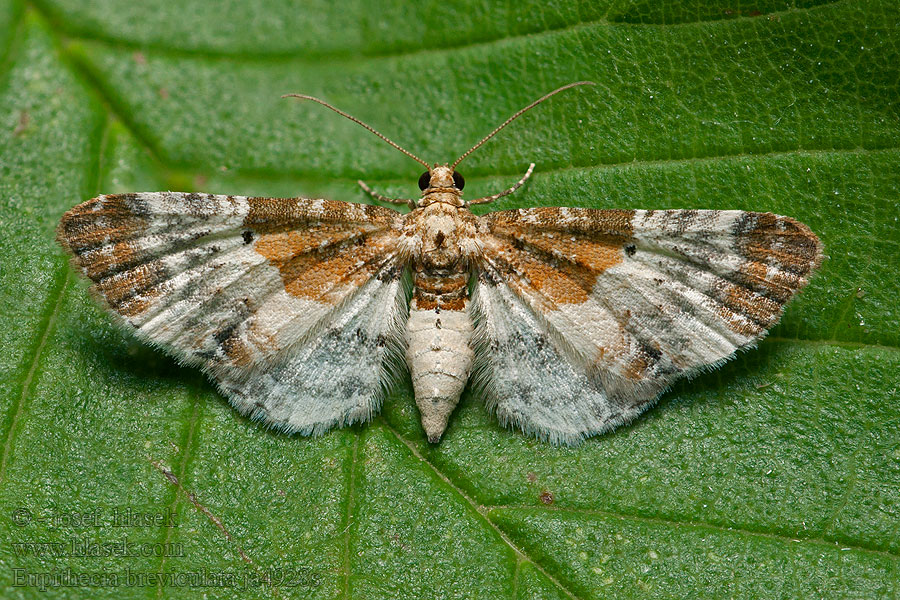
<point>520,553</point>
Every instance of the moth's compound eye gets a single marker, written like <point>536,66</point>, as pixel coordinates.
<point>424,180</point>
<point>458,180</point>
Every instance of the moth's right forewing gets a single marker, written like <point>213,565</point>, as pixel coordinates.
<point>634,299</point>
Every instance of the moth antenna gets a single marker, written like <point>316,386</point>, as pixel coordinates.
<point>519,113</point>
<point>358,122</point>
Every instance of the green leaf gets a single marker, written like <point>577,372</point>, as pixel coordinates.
<point>775,476</point>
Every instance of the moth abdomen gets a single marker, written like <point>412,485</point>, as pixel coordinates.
<point>439,352</point>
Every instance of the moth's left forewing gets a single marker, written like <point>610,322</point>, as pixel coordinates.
<point>289,304</point>
<point>635,299</point>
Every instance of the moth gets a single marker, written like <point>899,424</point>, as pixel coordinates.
<point>568,322</point>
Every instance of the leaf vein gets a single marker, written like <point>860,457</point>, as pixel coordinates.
<point>519,552</point>
<point>18,409</point>
<point>348,520</point>
<point>817,541</point>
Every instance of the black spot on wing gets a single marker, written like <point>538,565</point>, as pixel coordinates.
<point>390,273</point>
<point>489,278</point>
<point>654,354</point>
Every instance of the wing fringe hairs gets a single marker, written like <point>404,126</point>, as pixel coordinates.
<point>389,370</point>
<point>482,383</point>
<point>392,368</point>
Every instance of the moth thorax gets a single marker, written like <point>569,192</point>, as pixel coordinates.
<point>448,196</point>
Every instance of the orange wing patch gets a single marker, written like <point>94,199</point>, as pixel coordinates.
<point>560,252</point>
<point>324,270</point>
<point>560,282</point>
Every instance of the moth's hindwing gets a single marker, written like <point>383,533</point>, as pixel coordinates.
<point>621,304</point>
<point>289,304</point>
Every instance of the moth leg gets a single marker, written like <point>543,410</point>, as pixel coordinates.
<point>518,184</point>
<point>377,196</point>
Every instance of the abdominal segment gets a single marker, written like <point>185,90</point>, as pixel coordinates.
<point>439,354</point>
